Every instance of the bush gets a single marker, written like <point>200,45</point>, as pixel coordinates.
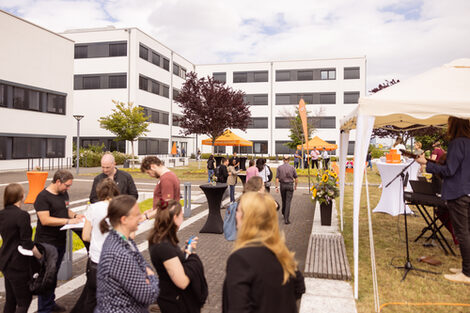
<point>376,152</point>
<point>91,157</point>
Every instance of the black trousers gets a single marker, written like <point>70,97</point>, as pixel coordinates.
<point>87,301</point>
<point>459,210</point>
<point>314,163</point>
<point>287,191</point>
<point>18,296</point>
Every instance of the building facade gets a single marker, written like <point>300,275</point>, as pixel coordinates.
<point>127,65</point>
<point>330,88</point>
<point>36,96</point>
<point>81,72</point>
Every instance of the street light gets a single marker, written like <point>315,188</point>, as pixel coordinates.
<point>78,118</point>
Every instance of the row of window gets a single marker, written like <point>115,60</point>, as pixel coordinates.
<point>12,147</point>
<point>153,146</point>
<point>314,121</point>
<point>154,86</point>
<point>175,121</point>
<point>29,98</point>
<point>101,49</point>
<point>256,99</point>
<point>100,81</point>
<point>154,57</point>
<point>156,116</point>
<point>288,75</point>
<point>250,77</point>
<point>109,143</point>
<point>178,70</point>
<point>176,92</point>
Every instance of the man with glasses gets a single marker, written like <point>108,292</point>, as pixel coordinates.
<point>52,208</point>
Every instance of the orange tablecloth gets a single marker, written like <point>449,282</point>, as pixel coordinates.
<point>37,181</point>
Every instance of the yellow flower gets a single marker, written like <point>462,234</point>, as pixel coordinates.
<point>325,178</point>
<point>314,193</point>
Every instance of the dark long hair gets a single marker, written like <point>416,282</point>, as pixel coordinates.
<point>458,127</point>
<point>165,227</point>
<point>117,208</point>
<point>13,193</point>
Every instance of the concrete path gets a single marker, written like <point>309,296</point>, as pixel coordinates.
<point>327,295</point>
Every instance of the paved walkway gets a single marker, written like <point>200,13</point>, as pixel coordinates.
<point>327,295</point>
<point>214,251</point>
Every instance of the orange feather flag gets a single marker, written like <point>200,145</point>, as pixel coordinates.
<point>303,117</point>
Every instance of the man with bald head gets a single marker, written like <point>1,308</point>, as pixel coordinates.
<point>122,179</point>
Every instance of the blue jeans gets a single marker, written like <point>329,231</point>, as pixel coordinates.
<point>46,302</point>
<point>232,193</point>
<point>209,175</point>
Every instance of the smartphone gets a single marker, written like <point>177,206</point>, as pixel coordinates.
<point>188,246</point>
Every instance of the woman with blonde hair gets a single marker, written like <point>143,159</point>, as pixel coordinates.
<point>261,274</point>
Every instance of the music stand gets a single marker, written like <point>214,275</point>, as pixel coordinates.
<point>408,266</point>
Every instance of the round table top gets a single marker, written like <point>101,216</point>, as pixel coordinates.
<point>393,164</point>
<point>210,186</point>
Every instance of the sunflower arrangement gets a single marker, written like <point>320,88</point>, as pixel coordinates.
<point>326,187</point>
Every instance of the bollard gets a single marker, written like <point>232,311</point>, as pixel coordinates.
<point>187,200</point>
<point>65,271</point>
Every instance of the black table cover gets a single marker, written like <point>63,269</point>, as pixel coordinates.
<point>214,223</point>
<point>242,178</point>
<point>243,163</point>
<point>217,160</point>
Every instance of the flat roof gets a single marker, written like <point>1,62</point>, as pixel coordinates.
<point>26,21</point>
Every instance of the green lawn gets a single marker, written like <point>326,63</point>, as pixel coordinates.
<point>390,249</point>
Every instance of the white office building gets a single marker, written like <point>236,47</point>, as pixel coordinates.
<point>43,73</point>
<point>329,87</point>
<point>36,96</point>
<point>128,65</point>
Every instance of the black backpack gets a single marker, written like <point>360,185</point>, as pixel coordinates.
<point>217,171</point>
<point>43,280</point>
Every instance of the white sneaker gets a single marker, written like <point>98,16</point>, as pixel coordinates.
<point>458,278</point>
<point>455,270</point>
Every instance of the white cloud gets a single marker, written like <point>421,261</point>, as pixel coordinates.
<point>399,37</point>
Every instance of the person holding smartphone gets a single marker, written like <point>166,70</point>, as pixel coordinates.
<point>175,270</point>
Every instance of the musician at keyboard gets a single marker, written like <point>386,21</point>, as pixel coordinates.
<point>456,189</point>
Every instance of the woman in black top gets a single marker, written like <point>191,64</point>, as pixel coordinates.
<point>261,274</point>
<point>168,258</point>
<point>15,229</point>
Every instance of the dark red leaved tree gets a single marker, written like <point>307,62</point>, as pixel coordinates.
<point>210,107</point>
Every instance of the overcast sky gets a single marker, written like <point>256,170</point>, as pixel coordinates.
<point>400,38</point>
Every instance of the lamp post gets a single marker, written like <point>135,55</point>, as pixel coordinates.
<point>78,118</point>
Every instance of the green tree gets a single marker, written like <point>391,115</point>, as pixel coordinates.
<point>296,133</point>
<point>127,122</point>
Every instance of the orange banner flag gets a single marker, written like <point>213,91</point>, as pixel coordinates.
<point>303,117</point>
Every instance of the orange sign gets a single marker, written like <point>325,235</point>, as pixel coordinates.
<point>303,117</point>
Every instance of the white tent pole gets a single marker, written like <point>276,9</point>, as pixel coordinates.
<point>343,152</point>
<point>363,133</point>
<point>372,249</point>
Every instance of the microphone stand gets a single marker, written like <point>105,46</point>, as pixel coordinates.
<point>408,266</point>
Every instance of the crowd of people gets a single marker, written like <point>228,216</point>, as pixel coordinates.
<point>118,278</point>
<point>311,158</point>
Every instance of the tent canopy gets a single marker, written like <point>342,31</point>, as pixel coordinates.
<point>319,144</point>
<point>228,139</point>
<point>426,99</point>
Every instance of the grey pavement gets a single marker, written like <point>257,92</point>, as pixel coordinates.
<point>213,249</point>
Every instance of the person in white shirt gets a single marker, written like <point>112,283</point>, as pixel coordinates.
<point>106,190</point>
<point>326,158</point>
<point>398,145</point>
<point>314,154</point>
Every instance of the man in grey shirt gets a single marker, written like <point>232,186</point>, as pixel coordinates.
<point>286,176</point>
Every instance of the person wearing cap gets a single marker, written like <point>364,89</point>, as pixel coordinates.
<point>286,177</point>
